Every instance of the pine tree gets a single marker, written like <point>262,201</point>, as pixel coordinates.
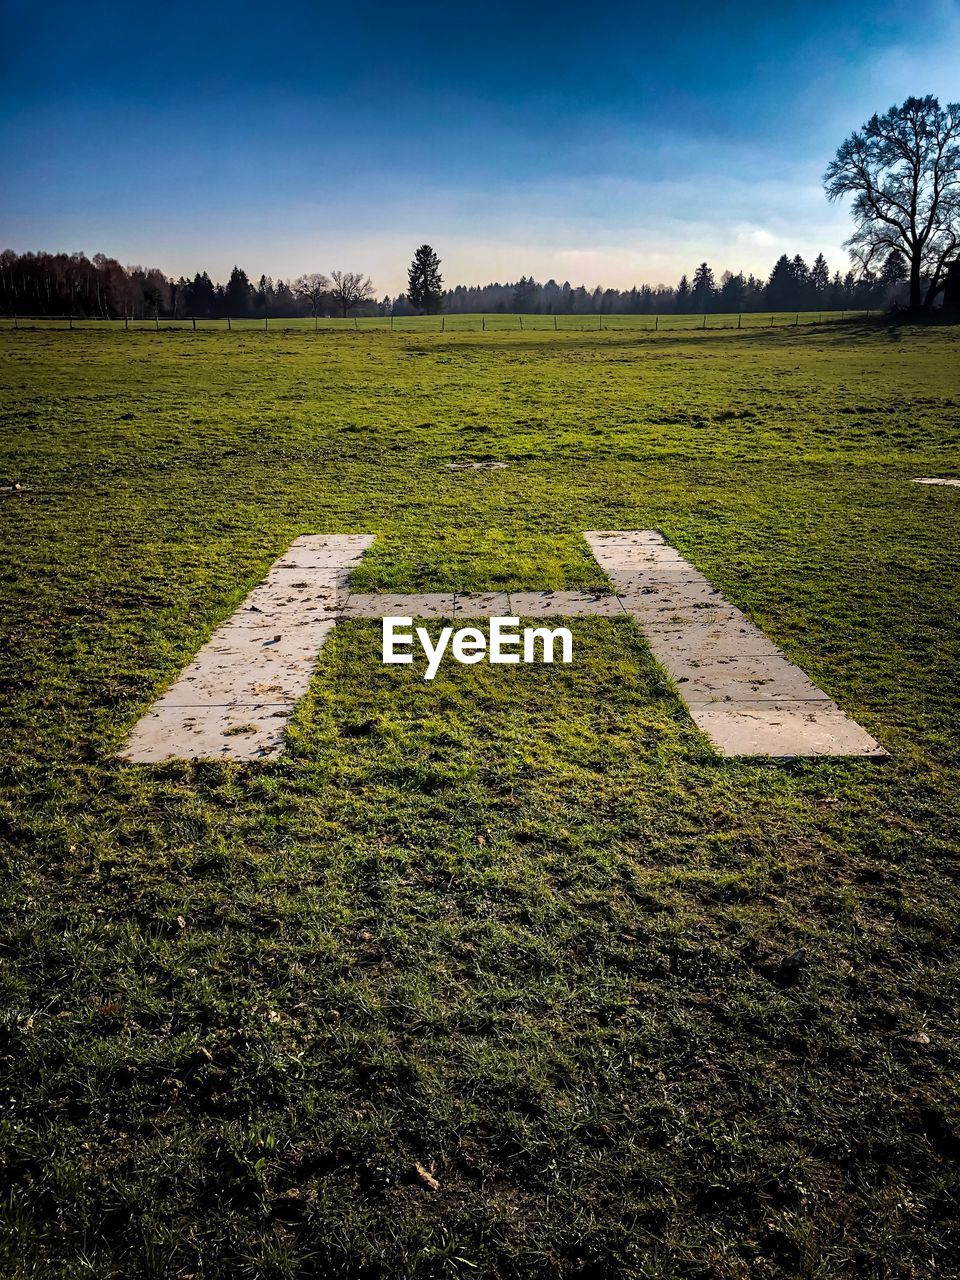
<point>781,287</point>
<point>682,296</point>
<point>424,281</point>
<point>525,294</point>
<point>701,294</point>
<point>820,275</point>
<point>894,269</point>
<point>238,294</point>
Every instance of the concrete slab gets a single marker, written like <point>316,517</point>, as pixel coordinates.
<point>938,480</point>
<point>563,604</point>
<point>481,604</point>
<point>210,733</point>
<point>274,611</point>
<point>297,593</point>
<point>737,685</point>
<point>741,679</point>
<point>309,556</point>
<point>727,635</point>
<point>783,729</point>
<point>233,700</point>
<point>650,591</point>
<point>598,538</point>
<point>647,556</point>
<point>241,665</point>
<point>437,604</point>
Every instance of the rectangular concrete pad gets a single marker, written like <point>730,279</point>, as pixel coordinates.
<point>563,604</point>
<point>240,665</point>
<point>233,701</point>
<point>209,732</point>
<point>432,604</point>
<point>739,688</point>
<point>783,729</point>
<point>481,604</point>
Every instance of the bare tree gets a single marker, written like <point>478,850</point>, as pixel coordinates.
<point>903,171</point>
<point>312,287</point>
<point>350,288</point>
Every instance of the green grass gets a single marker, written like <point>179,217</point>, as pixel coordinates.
<point>518,926</point>
<point>466,323</point>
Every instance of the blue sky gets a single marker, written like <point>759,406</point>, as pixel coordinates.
<point>610,143</point>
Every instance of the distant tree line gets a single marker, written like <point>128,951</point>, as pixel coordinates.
<point>72,284</point>
<point>792,285</point>
<point>100,287</point>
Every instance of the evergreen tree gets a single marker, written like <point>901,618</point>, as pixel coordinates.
<point>781,287</point>
<point>524,294</point>
<point>703,289</point>
<point>894,269</point>
<point>424,282</point>
<point>819,275</point>
<point>681,300</point>
<point>203,296</point>
<point>238,295</point>
<point>732,291</point>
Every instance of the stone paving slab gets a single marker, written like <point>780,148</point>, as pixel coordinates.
<point>737,685</point>
<point>297,593</point>
<point>600,538</point>
<point>652,592</point>
<point>312,556</point>
<point>782,729</point>
<point>646,556</point>
<point>741,679</point>
<point>209,732</point>
<point>481,604</point>
<point>937,480</point>
<point>432,604</point>
<point>232,702</point>
<point>564,604</point>
<point>729,635</point>
<point>272,612</point>
<point>240,665</point>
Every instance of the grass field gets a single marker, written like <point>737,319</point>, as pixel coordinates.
<point>520,927</point>
<point>466,323</point>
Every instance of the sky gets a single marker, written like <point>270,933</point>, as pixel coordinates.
<point>609,143</point>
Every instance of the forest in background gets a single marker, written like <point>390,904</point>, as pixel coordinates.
<point>46,284</point>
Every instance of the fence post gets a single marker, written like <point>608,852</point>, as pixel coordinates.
<point>520,318</point>
<point>843,315</point>
<point>194,319</point>
<point>704,325</point>
<point>771,320</point>
<point>391,319</point>
<point>656,324</point>
<point>126,322</point>
<point>797,321</point>
<point>739,318</point>
<point>483,324</point>
<point>229,325</point>
<point>316,324</point>
<point>156,316</point>
<point>71,321</point>
<point>16,322</point>
<point>264,324</point>
<point>443,323</point>
<point>554,322</point>
<point>355,324</point>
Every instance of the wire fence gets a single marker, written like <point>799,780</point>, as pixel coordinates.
<point>493,322</point>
